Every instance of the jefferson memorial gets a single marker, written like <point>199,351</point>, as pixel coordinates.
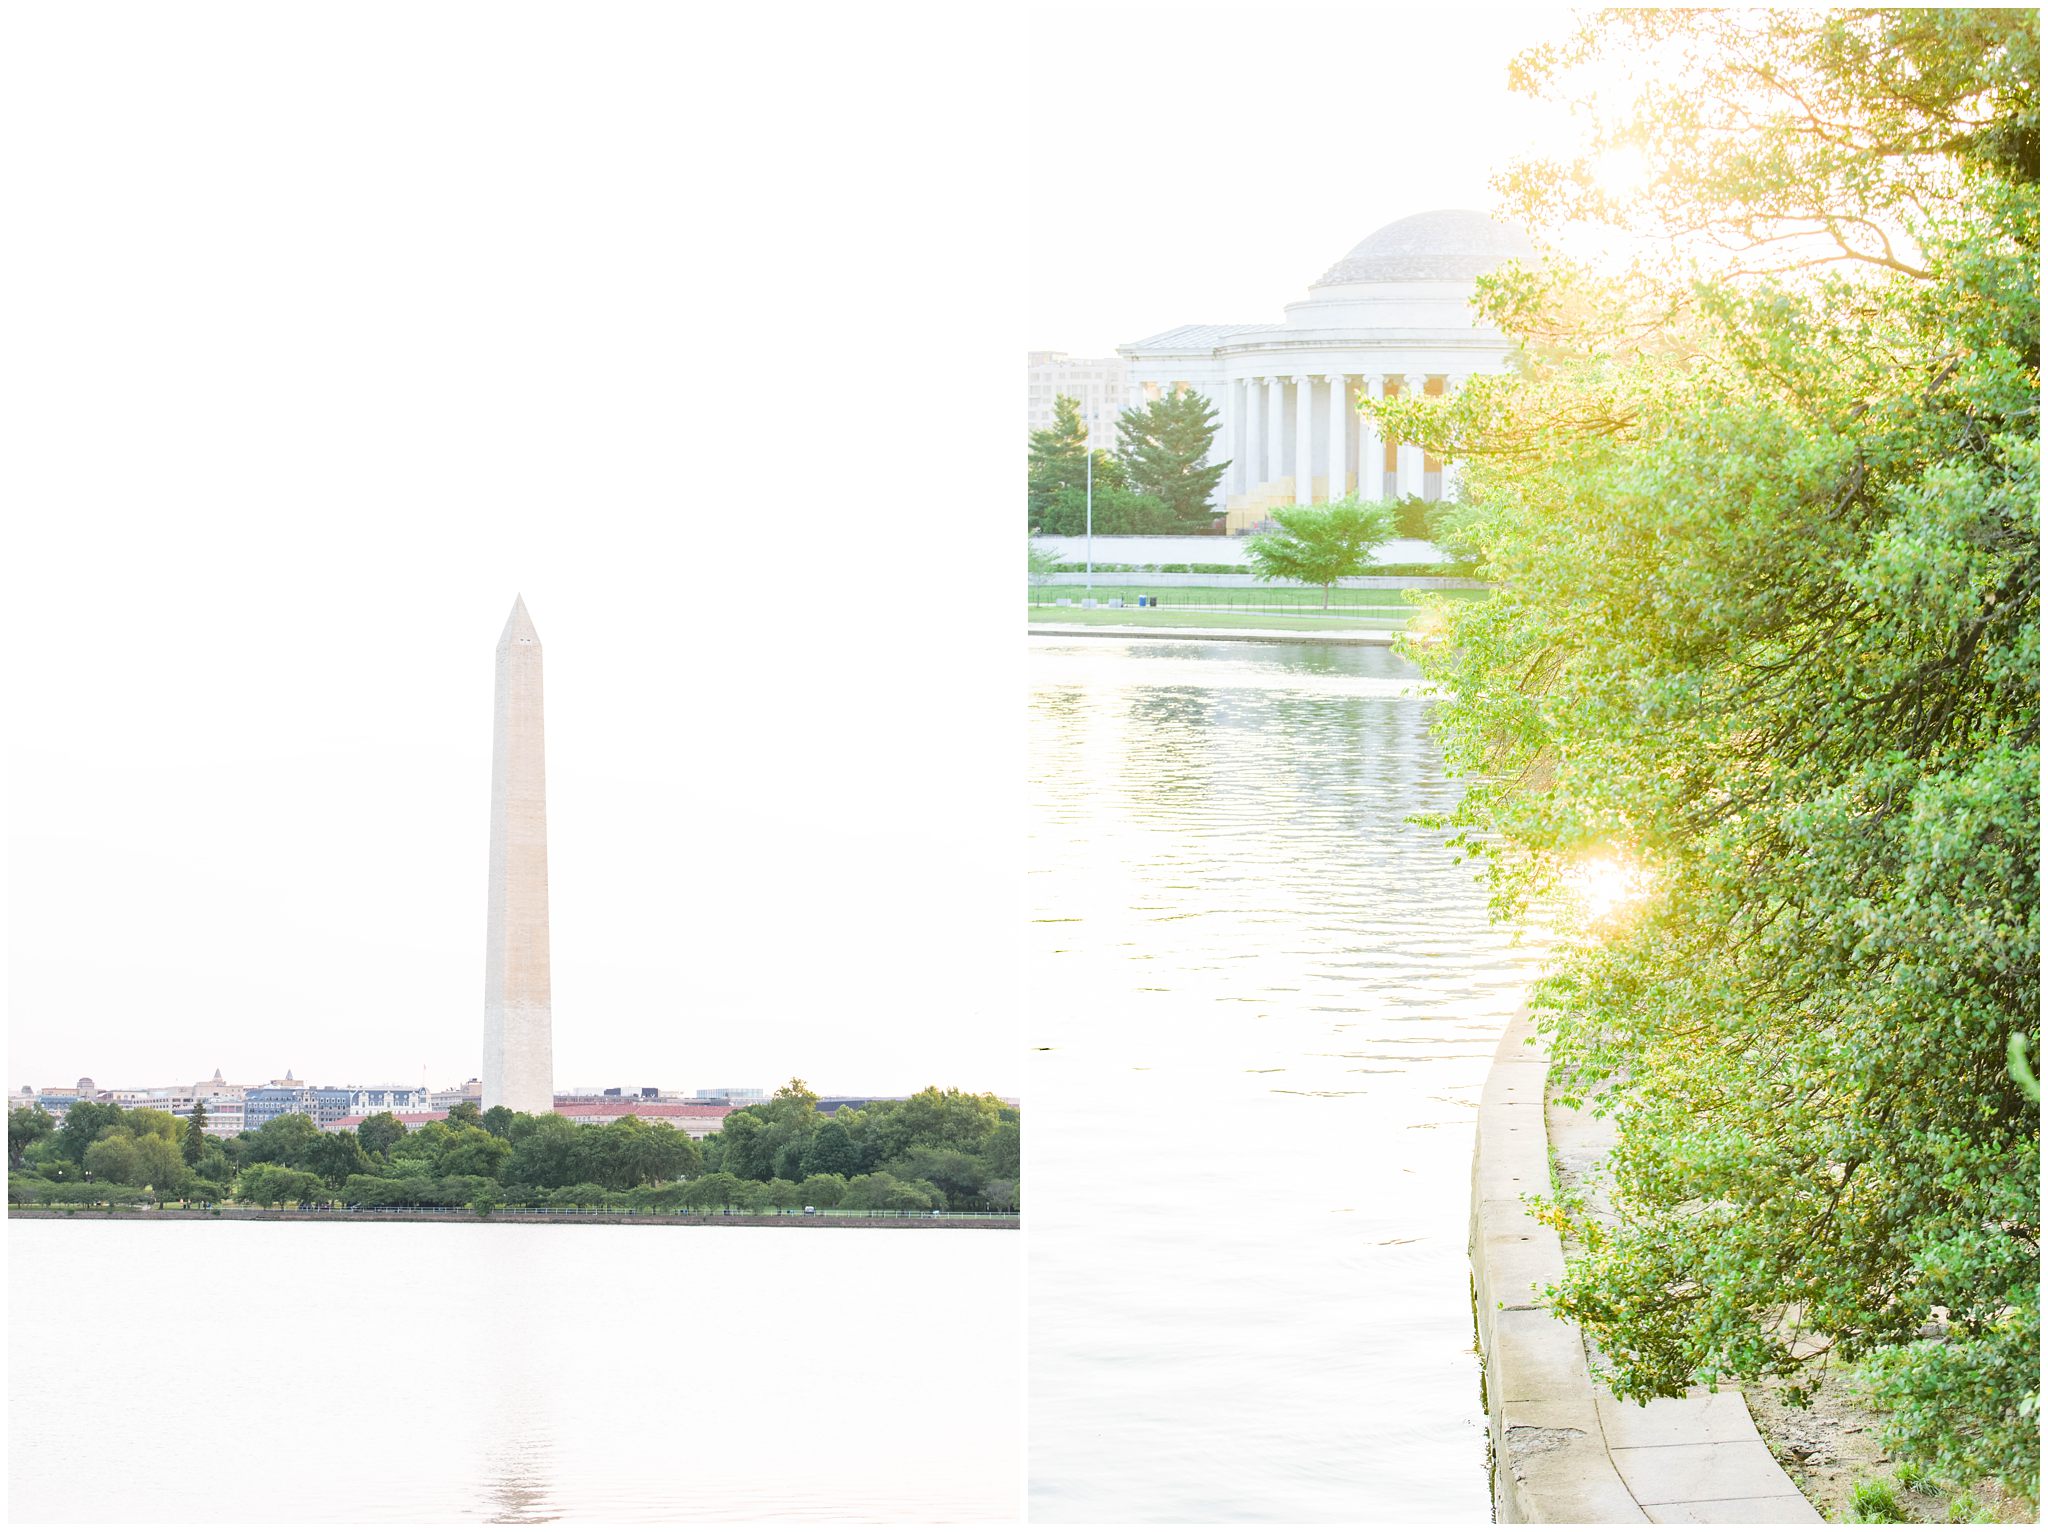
<point>1393,316</point>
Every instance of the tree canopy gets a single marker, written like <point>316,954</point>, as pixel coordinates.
<point>1164,445</point>
<point>1762,506</point>
<point>1321,544</point>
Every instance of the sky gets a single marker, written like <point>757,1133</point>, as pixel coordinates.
<point>698,327</point>
<point>1239,152</point>
<point>338,328</point>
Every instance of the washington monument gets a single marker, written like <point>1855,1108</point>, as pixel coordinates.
<point>519,1044</point>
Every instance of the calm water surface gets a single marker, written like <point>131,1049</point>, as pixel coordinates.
<point>1263,1006</point>
<point>364,1372</point>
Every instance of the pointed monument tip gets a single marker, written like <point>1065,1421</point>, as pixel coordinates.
<point>518,627</point>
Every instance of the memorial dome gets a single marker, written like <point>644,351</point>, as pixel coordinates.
<point>1450,245</point>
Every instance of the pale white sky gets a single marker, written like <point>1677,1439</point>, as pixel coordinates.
<point>1203,163</point>
<point>330,330</point>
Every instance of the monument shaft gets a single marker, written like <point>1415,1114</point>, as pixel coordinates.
<point>519,1049</point>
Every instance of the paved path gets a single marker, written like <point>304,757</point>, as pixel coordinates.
<point>1565,1449</point>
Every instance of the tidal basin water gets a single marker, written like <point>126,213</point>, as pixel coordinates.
<point>1261,1008</point>
<point>272,1372</point>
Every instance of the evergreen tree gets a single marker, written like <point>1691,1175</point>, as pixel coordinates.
<point>195,1133</point>
<point>1059,460</point>
<point>1164,447</point>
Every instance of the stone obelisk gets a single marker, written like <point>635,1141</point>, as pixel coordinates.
<point>519,1044</point>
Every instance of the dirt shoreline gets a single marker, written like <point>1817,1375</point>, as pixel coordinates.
<point>1834,1444</point>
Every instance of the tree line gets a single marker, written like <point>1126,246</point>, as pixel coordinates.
<point>1158,479</point>
<point>1763,514</point>
<point>941,1150</point>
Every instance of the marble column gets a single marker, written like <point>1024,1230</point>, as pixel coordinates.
<point>1409,475</point>
<point>1254,437</point>
<point>1372,450</point>
<point>1452,384</point>
<point>1217,398</point>
<point>1304,438</point>
<point>1340,399</point>
<point>1276,423</point>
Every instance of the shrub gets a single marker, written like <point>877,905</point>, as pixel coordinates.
<point>1874,1501</point>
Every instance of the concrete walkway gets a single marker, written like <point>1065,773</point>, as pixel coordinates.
<point>1565,1449</point>
<point>1250,635</point>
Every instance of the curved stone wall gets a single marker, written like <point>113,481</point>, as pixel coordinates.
<point>1564,1448</point>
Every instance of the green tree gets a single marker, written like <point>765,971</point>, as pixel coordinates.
<point>957,1174</point>
<point>154,1122</point>
<point>26,1127</point>
<point>1321,544</point>
<point>831,1151</point>
<point>498,1121</point>
<point>1164,446</point>
<point>379,1131</point>
<point>821,1191</point>
<point>1039,562</point>
<point>268,1185</point>
<point>465,1114</point>
<point>1766,532</point>
<point>546,1155</point>
<point>472,1151</point>
<point>84,1121</point>
<point>1116,512</point>
<point>334,1157</point>
<point>713,1192</point>
<point>283,1140</point>
<point>116,1159</point>
<point>1059,460</point>
<point>195,1134</point>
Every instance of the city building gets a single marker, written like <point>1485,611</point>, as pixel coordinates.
<point>698,1119</point>
<point>368,1100</point>
<point>1393,316</point>
<point>694,1118</point>
<point>262,1103</point>
<point>468,1090</point>
<point>1099,384</point>
<point>737,1095</point>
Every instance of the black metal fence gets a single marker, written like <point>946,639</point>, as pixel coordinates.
<point>1393,605</point>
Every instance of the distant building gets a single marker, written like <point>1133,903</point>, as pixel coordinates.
<point>1099,384</point>
<point>408,1120</point>
<point>368,1100</point>
<point>225,1116</point>
<point>737,1095</point>
<point>694,1118</point>
<point>468,1090</point>
<point>265,1103</point>
<point>1394,316</point>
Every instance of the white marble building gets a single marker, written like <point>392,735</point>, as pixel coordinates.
<point>1393,316</point>
<point>1099,384</point>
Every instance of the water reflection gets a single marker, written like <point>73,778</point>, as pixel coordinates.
<point>1262,1003</point>
<point>522,1374</point>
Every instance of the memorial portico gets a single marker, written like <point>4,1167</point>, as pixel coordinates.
<point>1393,317</point>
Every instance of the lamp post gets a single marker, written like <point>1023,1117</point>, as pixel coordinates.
<point>1088,498</point>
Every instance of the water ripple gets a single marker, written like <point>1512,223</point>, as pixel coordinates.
<point>1262,1002</point>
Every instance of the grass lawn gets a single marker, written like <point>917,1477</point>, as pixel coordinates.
<point>1165,617</point>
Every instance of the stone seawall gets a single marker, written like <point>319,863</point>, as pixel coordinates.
<point>465,1216</point>
<point>1564,1448</point>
